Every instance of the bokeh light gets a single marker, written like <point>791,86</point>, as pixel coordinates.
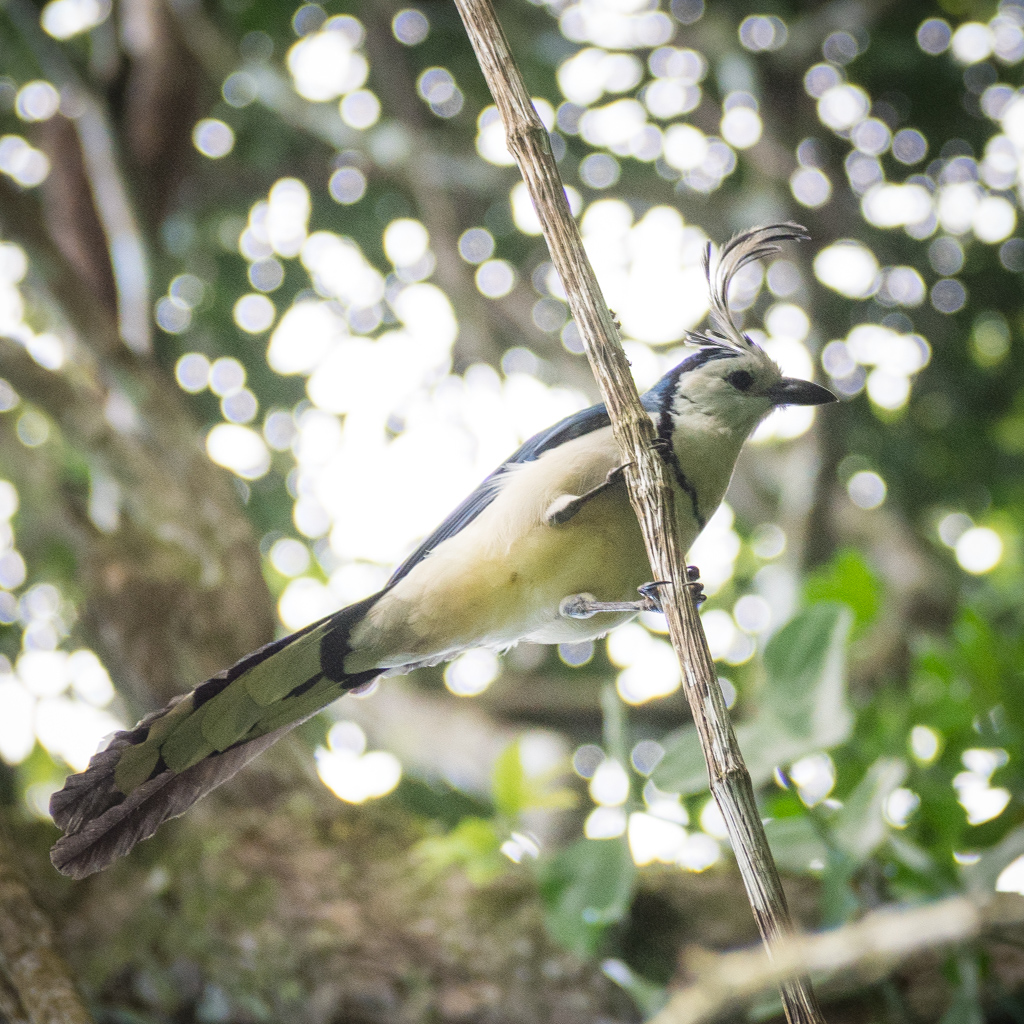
<point>866,489</point>
<point>328,64</point>
<point>350,772</point>
<point>410,26</point>
<point>979,550</point>
<point>64,19</point>
<point>213,138</point>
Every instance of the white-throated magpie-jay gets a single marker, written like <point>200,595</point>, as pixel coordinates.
<point>546,549</point>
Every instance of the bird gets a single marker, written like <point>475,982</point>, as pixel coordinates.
<point>546,549</point>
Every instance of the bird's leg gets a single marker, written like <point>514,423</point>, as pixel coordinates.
<point>562,509</point>
<point>583,606</point>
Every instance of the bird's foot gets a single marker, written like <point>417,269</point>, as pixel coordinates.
<point>583,606</point>
<point>652,602</point>
<point>662,447</point>
<point>649,599</point>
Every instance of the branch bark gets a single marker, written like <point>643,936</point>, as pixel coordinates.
<point>649,489</point>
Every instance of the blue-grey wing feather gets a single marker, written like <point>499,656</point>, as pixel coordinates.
<point>577,425</point>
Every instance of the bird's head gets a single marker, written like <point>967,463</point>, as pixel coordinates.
<point>731,383</point>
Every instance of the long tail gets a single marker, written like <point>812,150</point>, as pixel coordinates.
<point>175,756</point>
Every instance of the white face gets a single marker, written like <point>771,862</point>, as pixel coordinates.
<point>736,392</point>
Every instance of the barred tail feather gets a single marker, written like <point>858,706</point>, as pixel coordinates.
<point>175,756</point>
<point>99,841</point>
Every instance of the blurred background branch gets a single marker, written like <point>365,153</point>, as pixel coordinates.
<point>871,947</point>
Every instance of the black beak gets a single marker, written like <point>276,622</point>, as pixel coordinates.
<point>790,391</point>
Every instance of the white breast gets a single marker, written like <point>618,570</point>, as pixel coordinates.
<point>501,579</point>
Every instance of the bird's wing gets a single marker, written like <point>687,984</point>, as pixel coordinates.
<point>577,425</point>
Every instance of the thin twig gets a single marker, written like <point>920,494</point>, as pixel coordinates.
<point>873,945</point>
<point>649,489</point>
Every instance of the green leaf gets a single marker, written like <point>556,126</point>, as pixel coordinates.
<point>859,828</point>
<point>509,784</point>
<point>801,707</point>
<point>437,799</point>
<point>473,845</point>
<point>978,646</point>
<point>913,856</point>
<point>964,1010</point>
<point>795,843</point>
<point>839,903</point>
<point>682,769</point>
<point>805,662</point>
<point>848,579</point>
<point>966,1005</point>
<point>982,876</point>
<point>515,791</point>
<point>586,888</point>
<point>649,997</point>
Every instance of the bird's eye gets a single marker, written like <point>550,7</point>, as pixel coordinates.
<point>740,379</point>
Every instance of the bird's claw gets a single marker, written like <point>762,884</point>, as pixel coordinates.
<point>616,474</point>
<point>661,446</point>
<point>693,582</point>
<point>651,602</point>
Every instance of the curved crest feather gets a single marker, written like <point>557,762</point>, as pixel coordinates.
<point>741,249</point>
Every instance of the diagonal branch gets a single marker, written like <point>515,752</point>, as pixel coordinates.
<point>649,489</point>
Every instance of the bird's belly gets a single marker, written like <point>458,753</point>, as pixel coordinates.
<point>473,593</point>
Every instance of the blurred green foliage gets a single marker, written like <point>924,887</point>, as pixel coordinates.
<point>587,888</point>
